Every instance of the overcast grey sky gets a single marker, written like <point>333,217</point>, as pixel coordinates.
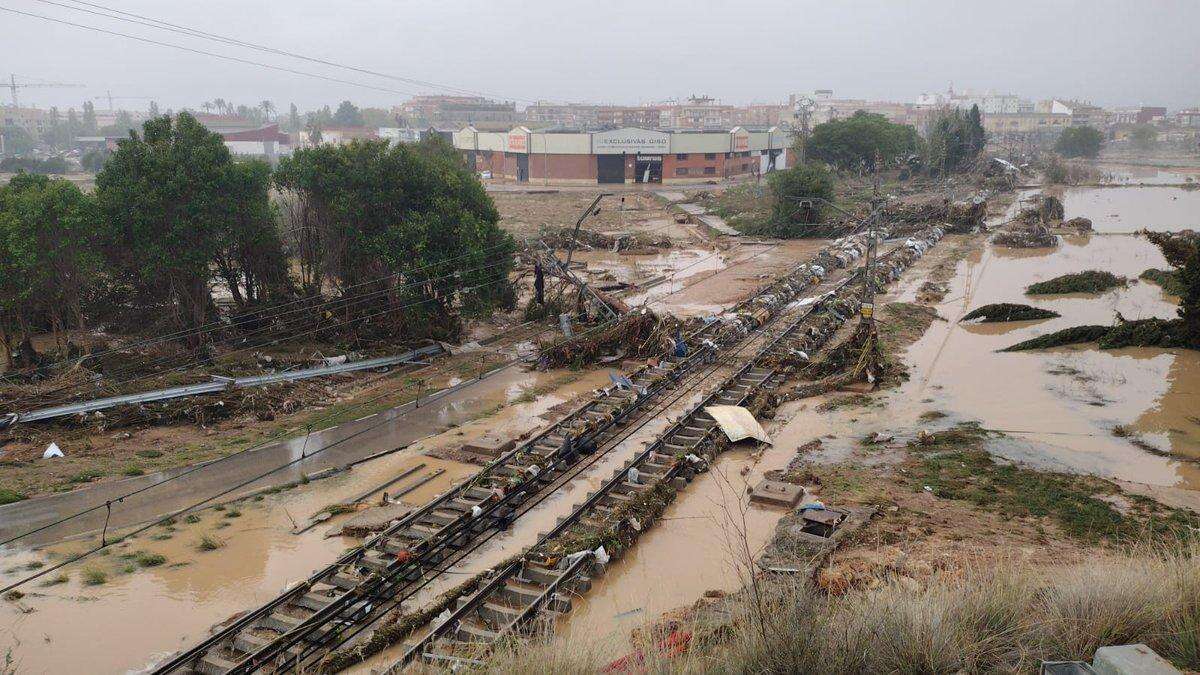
<point>1112,52</point>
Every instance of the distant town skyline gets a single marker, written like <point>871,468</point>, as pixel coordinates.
<point>1106,52</point>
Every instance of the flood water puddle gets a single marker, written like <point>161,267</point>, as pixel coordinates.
<point>1057,407</point>
<point>139,614</point>
<point>1129,209</point>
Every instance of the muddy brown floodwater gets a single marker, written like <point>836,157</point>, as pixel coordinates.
<point>1129,209</point>
<point>140,614</point>
<point>1058,407</point>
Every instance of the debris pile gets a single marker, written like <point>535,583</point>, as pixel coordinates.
<point>1033,236</point>
<point>963,216</point>
<point>1090,281</point>
<point>1079,224</point>
<point>625,242</point>
<point>1008,311</point>
<point>639,334</point>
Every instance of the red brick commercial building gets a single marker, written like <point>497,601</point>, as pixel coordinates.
<point>628,155</point>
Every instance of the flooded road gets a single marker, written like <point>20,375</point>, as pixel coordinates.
<point>307,454</point>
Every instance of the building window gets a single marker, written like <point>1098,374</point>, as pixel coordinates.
<point>681,171</point>
<point>710,170</point>
<point>681,156</point>
<point>710,155</point>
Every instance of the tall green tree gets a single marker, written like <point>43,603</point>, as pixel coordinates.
<point>1143,136</point>
<point>249,256</point>
<point>1083,141</point>
<point>413,221</point>
<point>800,195</point>
<point>17,141</point>
<point>853,142</point>
<point>167,197</point>
<point>89,118</point>
<point>49,258</point>
<point>348,115</point>
<point>955,139</point>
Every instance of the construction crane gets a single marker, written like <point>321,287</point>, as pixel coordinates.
<point>13,86</point>
<point>110,98</point>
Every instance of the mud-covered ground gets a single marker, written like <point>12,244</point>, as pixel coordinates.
<point>970,458</point>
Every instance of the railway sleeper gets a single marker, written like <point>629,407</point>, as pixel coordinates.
<point>518,595</point>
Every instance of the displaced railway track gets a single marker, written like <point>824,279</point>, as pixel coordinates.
<point>293,631</point>
<point>525,596</point>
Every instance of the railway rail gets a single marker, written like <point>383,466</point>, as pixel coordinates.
<point>527,595</point>
<point>295,629</point>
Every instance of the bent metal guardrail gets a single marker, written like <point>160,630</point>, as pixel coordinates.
<point>223,384</point>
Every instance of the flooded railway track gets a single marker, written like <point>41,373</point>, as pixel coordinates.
<point>525,596</point>
<point>293,631</point>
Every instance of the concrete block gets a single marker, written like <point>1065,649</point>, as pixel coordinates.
<point>489,445</point>
<point>777,493</point>
<point>1135,659</point>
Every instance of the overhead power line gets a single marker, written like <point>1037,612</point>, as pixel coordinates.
<point>151,22</point>
<point>203,52</point>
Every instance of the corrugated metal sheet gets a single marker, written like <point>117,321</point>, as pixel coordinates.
<point>222,385</point>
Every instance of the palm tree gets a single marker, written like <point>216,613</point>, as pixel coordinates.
<point>267,108</point>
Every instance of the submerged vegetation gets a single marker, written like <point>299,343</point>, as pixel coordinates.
<point>1171,281</point>
<point>1090,281</point>
<point>1007,311</point>
<point>954,466</point>
<point>1142,333</point>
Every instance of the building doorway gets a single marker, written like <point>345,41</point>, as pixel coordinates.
<point>610,169</point>
<point>648,169</point>
<point>523,168</point>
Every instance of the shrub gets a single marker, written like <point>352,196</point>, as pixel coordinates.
<point>210,543</point>
<point>147,559</point>
<point>9,496</point>
<point>93,576</point>
<point>1091,281</point>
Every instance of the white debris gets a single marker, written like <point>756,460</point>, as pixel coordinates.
<point>632,475</point>
<point>52,451</point>
<point>602,556</point>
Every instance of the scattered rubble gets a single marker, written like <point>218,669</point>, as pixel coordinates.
<point>627,242</point>
<point>638,334</point>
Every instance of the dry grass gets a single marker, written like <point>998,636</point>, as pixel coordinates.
<point>1006,618</point>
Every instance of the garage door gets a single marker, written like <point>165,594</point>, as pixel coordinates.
<point>610,168</point>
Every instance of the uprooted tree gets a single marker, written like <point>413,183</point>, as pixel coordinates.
<point>409,223</point>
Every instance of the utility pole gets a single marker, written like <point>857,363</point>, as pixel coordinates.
<point>868,292</point>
